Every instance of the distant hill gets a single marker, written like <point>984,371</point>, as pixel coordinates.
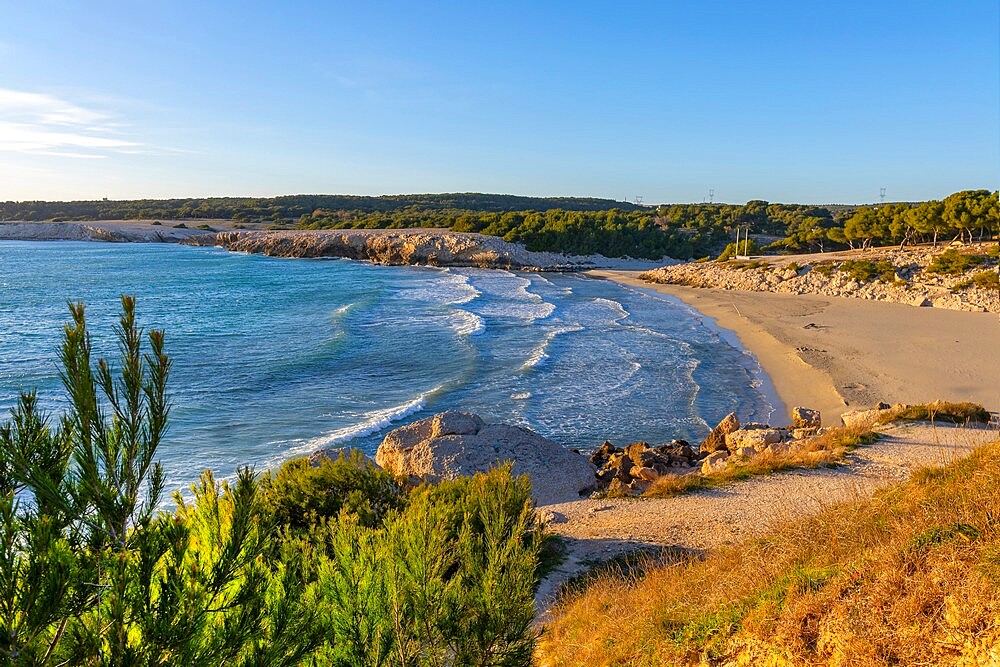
<point>291,207</point>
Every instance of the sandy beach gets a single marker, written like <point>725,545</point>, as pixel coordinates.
<point>838,354</point>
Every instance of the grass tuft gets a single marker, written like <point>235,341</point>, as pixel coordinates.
<point>944,411</point>
<point>825,450</point>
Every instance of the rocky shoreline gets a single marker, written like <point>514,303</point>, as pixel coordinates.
<point>903,277</point>
<point>453,444</point>
<point>419,247</point>
<point>422,247</point>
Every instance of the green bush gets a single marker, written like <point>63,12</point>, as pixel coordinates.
<point>448,581</point>
<point>944,411</point>
<point>993,252</point>
<point>865,271</point>
<point>989,280</point>
<point>824,268</point>
<point>952,263</point>
<point>92,573</point>
<point>299,494</point>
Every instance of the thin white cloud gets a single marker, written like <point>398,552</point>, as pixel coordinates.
<point>39,124</point>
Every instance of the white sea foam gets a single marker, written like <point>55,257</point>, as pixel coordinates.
<point>511,297</point>
<point>370,422</point>
<point>539,354</point>
<point>340,312</point>
<point>520,396</point>
<point>467,324</point>
<point>448,289</point>
<point>622,313</point>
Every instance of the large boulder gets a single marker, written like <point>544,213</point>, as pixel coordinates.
<point>716,440</point>
<point>452,444</point>
<point>757,438</point>
<point>869,418</point>
<point>806,418</point>
<point>714,462</point>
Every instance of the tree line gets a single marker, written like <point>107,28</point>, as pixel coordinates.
<point>290,207</point>
<point>579,225</point>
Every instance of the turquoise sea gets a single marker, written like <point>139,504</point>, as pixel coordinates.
<point>278,357</point>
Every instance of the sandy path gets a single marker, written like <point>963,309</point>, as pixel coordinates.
<point>596,530</point>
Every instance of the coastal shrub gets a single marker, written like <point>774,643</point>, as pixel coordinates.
<point>207,228</point>
<point>952,263</point>
<point>448,581</point>
<point>993,252</point>
<point>988,280</point>
<point>299,494</point>
<point>824,268</point>
<point>865,271</point>
<point>908,577</point>
<point>748,266</point>
<point>93,571</point>
<point>90,569</point>
<point>944,411</point>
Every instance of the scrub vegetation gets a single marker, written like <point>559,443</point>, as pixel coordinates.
<point>336,564</point>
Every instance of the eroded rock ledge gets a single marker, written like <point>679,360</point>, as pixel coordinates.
<point>419,247</point>
<point>425,247</point>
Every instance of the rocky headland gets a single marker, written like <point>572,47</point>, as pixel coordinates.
<point>908,276</point>
<point>422,247</point>
<point>109,231</point>
<point>427,247</point>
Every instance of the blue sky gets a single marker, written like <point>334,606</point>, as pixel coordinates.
<point>802,101</point>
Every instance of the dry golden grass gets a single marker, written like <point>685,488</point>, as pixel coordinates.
<point>908,577</point>
<point>824,450</point>
<point>943,411</point>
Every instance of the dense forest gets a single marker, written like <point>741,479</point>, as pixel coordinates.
<point>579,225</point>
<point>290,207</point>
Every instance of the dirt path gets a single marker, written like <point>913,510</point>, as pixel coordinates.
<point>596,530</point>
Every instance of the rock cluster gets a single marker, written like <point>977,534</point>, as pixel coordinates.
<point>912,283</point>
<point>632,469</point>
<point>452,444</point>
